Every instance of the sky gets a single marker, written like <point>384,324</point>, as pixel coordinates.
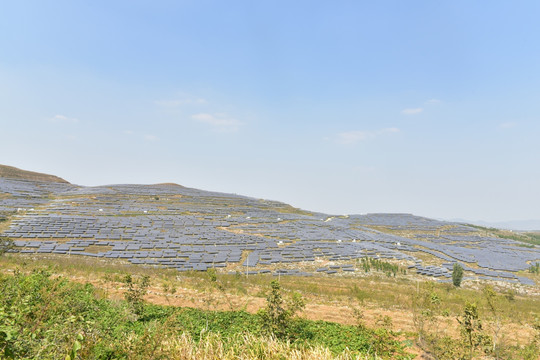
<point>342,107</point>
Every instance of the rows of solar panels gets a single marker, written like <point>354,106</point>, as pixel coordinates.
<point>189,229</point>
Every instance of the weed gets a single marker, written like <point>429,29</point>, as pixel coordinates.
<point>384,321</point>
<point>212,274</point>
<point>359,317</point>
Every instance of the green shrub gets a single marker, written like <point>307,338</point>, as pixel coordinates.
<point>48,317</point>
<point>472,333</point>
<point>276,317</point>
<point>135,292</point>
<point>389,269</point>
<point>457,275</point>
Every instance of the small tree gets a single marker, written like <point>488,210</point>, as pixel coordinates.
<point>135,292</point>
<point>276,317</point>
<point>457,275</point>
<point>426,306</point>
<point>471,330</point>
<point>496,324</point>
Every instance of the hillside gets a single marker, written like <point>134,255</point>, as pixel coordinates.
<point>15,173</point>
<point>186,229</point>
<point>376,284</point>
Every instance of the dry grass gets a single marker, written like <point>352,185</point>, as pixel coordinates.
<point>330,298</point>
<point>15,173</point>
<point>243,347</point>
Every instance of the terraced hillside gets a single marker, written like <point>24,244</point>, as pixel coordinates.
<point>188,229</point>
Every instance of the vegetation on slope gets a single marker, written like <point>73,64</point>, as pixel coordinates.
<point>45,315</point>
<point>15,173</point>
<point>532,238</point>
<point>42,316</point>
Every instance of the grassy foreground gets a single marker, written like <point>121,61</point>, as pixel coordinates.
<point>47,317</point>
<point>74,307</point>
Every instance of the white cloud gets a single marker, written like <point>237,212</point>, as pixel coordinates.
<point>433,101</point>
<point>388,130</point>
<point>140,136</point>
<point>149,137</point>
<point>412,111</point>
<point>182,100</point>
<point>219,121</point>
<point>507,125</point>
<point>58,119</point>
<point>353,137</point>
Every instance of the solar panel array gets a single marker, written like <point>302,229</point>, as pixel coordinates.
<point>188,229</point>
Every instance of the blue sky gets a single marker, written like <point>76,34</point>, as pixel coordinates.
<point>426,107</point>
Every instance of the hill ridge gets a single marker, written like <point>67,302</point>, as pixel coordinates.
<point>190,229</point>
<point>12,172</point>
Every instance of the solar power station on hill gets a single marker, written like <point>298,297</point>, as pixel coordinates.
<point>187,229</point>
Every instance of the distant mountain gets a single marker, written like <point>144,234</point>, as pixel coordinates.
<point>519,225</point>
<point>15,173</point>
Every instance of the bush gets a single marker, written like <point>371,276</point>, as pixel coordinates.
<point>39,314</point>
<point>135,292</point>
<point>457,275</point>
<point>276,317</point>
<point>47,317</point>
<point>472,333</point>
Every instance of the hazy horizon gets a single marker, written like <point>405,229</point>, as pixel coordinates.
<point>344,108</point>
<point>514,224</point>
